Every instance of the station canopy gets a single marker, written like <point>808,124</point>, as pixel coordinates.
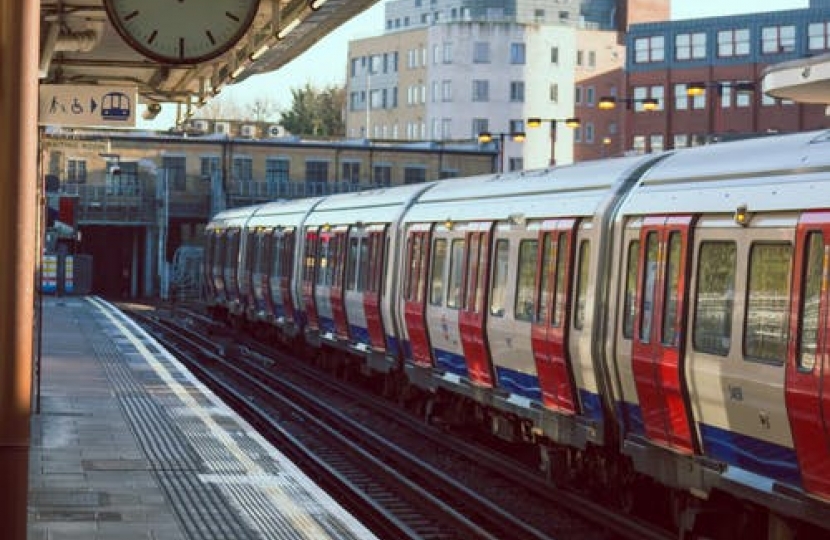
<point>79,46</point>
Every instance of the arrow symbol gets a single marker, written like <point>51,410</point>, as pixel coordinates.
<point>92,105</point>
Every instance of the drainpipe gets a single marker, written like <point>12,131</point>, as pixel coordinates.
<point>20,36</point>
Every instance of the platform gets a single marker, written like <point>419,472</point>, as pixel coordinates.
<point>129,445</point>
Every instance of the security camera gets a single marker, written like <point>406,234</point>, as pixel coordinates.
<point>152,110</point>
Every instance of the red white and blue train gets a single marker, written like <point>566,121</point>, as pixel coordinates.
<point>659,324</point>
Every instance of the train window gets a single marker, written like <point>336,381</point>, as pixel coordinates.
<point>413,275</point>
<point>324,261</point>
<point>547,270</point>
<point>276,256</point>
<point>259,248</point>
<point>374,262</point>
<point>498,285</point>
<point>311,248</point>
<point>363,265</point>
<point>351,264</point>
<point>582,285</point>
<point>669,324</point>
<point>630,289</point>
<point>649,281</point>
<point>338,260</point>
<point>526,281</point>
<point>456,277</point>
<point>765,332</point>
<point>439,257</point>
<point>560,294</point>
<point>473,254</point>
<point>811,301</point>
<point>712,332</point>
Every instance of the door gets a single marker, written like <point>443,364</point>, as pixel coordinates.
<point>417,255</point>
<point>549,332</point>
<point>659,331</point>
<point>808,363</point>
<point>337,250</point>
<point>312,241</point>
<point>471,315</point>
<point>371,295</point>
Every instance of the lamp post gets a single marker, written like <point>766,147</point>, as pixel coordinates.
<point>486,137</point>
<point>535,122</point>
<point>699,88</point>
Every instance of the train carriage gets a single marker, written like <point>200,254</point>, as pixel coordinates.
<point>224,236</point>
<point>350,276</point>
<point>718,346</point>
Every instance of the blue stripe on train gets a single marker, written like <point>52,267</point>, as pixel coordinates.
<point>521,384</point>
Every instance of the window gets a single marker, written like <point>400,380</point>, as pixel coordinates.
<point>414,175</point>
<point>648,282</point>
<point>456,274</point>
<point>350,172</point>
<point>656,143</point>
<point>210,167</point>
<point>681,97</point>
<point>630,289</point>
<point>480,125</point>
<point>481,52</point>
<point>316,171</point>
<point>276,173</point>
<point>767,302</point>
<point>76,171</point>
<point>175,166</point>
<point>439,257</point>
<point>517,91</point>
<point>553,93</point>
<point>126,182</point>
<point>811,302</point>
<point>446,90</point>
<point>818,36</point>
<point>412,287</point>
<point>242,168</point>
<point>382,175</point>
<point>642,93</point>
<point>777,39</point>
<point>481,90</point>
<point>649,49</point>
<point>517,53</point>
<point>712,332</point>
<point>517,126</point>
<point>582,270</point>
<point>498,284</point>
<point>554,55</point>
<point>733,42</point>
<point>447,53</point>
<point>526,280</point>
<point>690,46</point>
<point>515,164</point>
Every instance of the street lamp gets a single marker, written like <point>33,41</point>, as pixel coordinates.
<point>535,122</point>
<point>606,103</point>
<point>486,137</point>
<point>698,88</point>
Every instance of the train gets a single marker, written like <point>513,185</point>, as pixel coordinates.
<point>655,325</point>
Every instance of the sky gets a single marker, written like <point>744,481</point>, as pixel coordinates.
<point>331,52</point>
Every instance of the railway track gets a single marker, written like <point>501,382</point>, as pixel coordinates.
<point>401,477</point>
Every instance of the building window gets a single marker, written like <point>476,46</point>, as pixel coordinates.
<point>481,90</point>
<point>209,167</point>
<point>589,132</point>
<point>578,95</point>
<point>276,172</point>
<point>414,174</point>
<point>481,52</point>
<point>517,91</point>
<point>656,143</point>
<point>592,59</point>
<point>515,164</point>
<point>382,175</point>
<point>446,128</point>
<point>681,97</point>
<point>517,126</point>
<point>681,140</point>
<point>480,125</point>
<point>76,171</point>
<point>316,175</point>
<point>818,36</point>
<point>777,39</point>
<point>554,55</point>
<point>733,42</point>
<point>690,46</point>
<point>447,56</point>
<point>590,96</point>
<point>446,90</point>
<point>242,168</point>
<point>649,49</point>
<point>350,172</point>
<point>553,93</point>
<point>517,53</point>
<point>176,172</point>
<point>645,92</point>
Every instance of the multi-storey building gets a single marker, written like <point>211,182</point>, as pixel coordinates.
<point>725,58</point>
<point>450,70</point>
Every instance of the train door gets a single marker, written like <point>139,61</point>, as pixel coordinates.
<point>246,272</point>
<point>808,363</point>
<point>260,272</point>
<point>312,246</point>
<point>553,306</point>
<point>282,262</point>
<point>657,348</point>
<point>471,315</point>
<point>374,278</point>
<point>231,262</point>
<point>415,294</point>
<point>337,262</point>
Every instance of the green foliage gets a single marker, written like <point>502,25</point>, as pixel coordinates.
<point>315,113</point>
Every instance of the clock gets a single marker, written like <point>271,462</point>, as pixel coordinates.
<point>181,31</point>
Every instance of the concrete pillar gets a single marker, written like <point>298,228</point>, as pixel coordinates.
<point>19,45</point>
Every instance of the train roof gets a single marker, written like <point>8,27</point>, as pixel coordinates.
<point>573,190</point>
<point>232,217</point>
<point>782,172</point>
<point>384,205</point>
<point>286,213</point>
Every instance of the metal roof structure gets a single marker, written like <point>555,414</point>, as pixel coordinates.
<point>79,46</point>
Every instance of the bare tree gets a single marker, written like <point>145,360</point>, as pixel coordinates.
<point>262,109</point>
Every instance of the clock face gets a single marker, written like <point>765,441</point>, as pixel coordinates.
<point>181,31</point>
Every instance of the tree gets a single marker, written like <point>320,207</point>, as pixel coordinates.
<point>317,113</point>
<point>262,109</point>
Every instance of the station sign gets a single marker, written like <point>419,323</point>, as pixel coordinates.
<point>87,105</point>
